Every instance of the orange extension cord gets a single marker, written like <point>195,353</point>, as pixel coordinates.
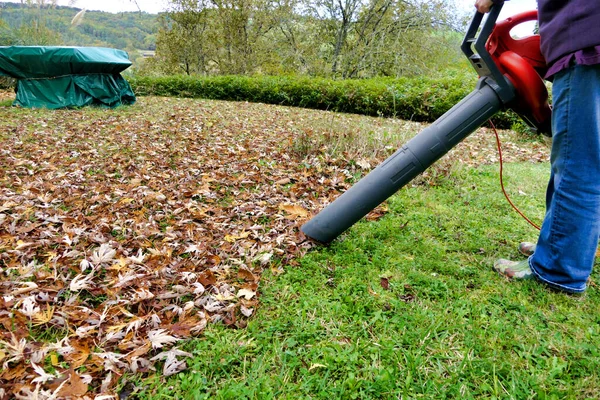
<point>502,181</point>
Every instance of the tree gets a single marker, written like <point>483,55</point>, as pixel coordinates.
<point>240,32</point>
<point>221,36</point>
<point>182,41</point>
<point>34,29</point>
<point>296,40</point>
<point>339,38</point>
<point>366,35</point>
<point>7,38</point>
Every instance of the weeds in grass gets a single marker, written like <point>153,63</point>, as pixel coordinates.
<point>409,307</point>
<point>352,137</point>
<point>387,312</point>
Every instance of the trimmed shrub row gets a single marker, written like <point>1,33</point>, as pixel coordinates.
<point>416,99</point>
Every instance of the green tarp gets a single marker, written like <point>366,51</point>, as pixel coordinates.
<point>59,77</point>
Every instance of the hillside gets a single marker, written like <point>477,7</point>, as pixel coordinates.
<point>127,30</point>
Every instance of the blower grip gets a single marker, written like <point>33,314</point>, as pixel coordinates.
<point>406,163</point>
<point>475,49</point>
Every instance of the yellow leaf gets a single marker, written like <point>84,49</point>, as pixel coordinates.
<point>21,244</point>
<point>54,359</point>
<point>119,265</point>
<point>294,210</point>
<point>233,238</point>
<point>221,297</point>
<point>43,316</point>
<point>116,328</point>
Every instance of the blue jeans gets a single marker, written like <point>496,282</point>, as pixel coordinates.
<point>566,247</point>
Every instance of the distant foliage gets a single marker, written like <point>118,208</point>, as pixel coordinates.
<point>56,25</point>
<point>346,39</point>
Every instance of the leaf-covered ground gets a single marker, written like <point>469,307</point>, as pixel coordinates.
<point>124,232</point>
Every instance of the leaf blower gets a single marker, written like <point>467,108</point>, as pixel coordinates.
<point>510,76</point>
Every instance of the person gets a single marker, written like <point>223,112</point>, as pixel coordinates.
<point>563,256</point>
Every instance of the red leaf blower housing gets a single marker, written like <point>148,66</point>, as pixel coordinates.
<point>521,61</point>
<point>510,72</point>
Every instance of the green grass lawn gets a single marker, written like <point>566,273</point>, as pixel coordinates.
<point>408,307</point>
<point>403,307</point>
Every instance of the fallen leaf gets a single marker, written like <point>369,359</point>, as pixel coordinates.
<point>43,376</point>
<point>385,283</point>
<point>43,317</point>
<point>75,387</point>
<point>105,253</point>
<point>283,181</point>
<point>363,163</point>
<point>21,244</point>
<point>247,275</point>
<point>247,312</point>
<point>378,212</point>
<point>139,351</point>
<point>233,238</point>
<point>207,278</point>
<point>264,258</point>
<point>294,210</point>
<point>54,359</point>
<point>224,297</point>
<point>160,337</point>
<point>27,287</point>
<point>172,364</point>
<point>246,293</point>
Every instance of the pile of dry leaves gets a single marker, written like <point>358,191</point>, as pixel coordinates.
<point>124,232</point>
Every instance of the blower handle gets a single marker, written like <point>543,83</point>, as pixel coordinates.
<point>482,61</point>
<point>527,47</point>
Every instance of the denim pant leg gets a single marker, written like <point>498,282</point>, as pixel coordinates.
<point>566,247</point>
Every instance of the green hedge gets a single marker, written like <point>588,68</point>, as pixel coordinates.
<point>416,99</point>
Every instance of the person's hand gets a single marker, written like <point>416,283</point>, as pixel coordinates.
<point>483,6</point>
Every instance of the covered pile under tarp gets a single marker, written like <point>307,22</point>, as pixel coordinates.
<point>59,77</point>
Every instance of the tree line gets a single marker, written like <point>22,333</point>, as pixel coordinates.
<point>45,24</point>
<point>331,38</point>
<point>326,38</point>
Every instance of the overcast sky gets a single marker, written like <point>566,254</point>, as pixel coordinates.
<point>155,6</point>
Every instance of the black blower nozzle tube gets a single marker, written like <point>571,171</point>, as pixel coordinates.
<point>406,163</point>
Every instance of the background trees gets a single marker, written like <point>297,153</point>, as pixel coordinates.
<point>336,38</point>
<point>330,38</point>
<point>43,23</point>
<point>183,38</point>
